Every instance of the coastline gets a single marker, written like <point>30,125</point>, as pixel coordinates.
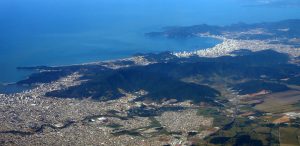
<point>229,45</point>
<point>137,59</point>
<point>94,56</point>
<point>222,48</point>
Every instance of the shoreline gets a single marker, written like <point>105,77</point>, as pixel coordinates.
<point>133,55</point>
<point>6,85</point>
<point>229,45</point>
<point>130,57</point>
<point>222,48</point>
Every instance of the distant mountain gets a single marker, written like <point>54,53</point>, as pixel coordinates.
<point>287,29</point>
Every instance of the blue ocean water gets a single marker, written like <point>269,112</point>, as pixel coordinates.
<point>63,32</point>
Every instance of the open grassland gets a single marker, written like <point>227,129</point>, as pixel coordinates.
<point>280,102</point>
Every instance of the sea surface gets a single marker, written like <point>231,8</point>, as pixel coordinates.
<point>64,32</point>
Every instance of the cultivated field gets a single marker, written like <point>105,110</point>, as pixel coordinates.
<point>289,136</point>
<point>280,102</point>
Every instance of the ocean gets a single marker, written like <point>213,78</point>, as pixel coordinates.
<point>65,32</point>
